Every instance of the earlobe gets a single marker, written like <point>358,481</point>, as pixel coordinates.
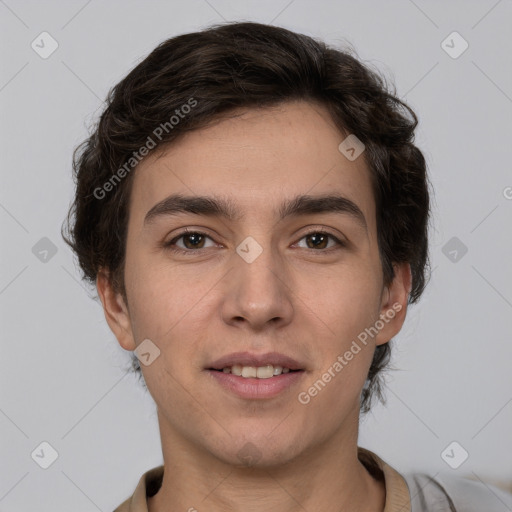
<point>394,303</point>
<point>115,310</point>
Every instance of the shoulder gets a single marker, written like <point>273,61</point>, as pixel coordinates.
<point>148,485</point>
<point>453,493</point>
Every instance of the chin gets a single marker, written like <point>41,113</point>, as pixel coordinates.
<point>258,451</point>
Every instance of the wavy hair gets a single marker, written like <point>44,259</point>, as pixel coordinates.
<point>234,65</point>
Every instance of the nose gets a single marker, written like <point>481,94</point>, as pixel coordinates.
<point>258,291</point>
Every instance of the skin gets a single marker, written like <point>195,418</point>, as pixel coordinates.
<point>306,302</point>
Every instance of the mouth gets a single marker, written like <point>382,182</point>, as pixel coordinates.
<point>253,376</point>
<point>255,372</point>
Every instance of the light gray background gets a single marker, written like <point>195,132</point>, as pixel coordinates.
<point>63,374</point>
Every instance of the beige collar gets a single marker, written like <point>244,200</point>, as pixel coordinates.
<point>397,492</point>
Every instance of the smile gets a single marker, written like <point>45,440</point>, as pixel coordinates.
<point>258,372</point>
<point>254,387</point>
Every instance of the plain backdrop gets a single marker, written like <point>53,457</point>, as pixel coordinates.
<point>63,379</point>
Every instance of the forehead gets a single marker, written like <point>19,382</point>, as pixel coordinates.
<point>256,158</point>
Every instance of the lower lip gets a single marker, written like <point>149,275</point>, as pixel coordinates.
<point>253,388</point>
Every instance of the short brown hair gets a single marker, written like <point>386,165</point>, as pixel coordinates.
<point>236,65</point>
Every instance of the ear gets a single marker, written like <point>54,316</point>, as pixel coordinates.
<point>394,303</point>
<point>116,311</point>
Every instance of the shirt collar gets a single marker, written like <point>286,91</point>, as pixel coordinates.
<point>397,492</point>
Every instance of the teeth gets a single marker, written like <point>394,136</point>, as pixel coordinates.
<point>237,370</point>
<point>265,372</point>
<point>260,372</point>
<point>249,371</point>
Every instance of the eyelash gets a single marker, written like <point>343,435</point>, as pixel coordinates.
<point>168,245</point>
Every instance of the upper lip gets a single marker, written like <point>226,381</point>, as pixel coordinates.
<point>249,359</point>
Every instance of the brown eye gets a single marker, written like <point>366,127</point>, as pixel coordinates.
<point>320,239</point>
<point>193,240</point>
<point>190,240</point>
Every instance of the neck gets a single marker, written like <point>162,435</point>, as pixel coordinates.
<point>326,474</point>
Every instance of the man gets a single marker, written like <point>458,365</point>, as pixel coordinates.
<point>254,213</point>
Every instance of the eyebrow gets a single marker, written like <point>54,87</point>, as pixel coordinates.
<point>218,207</point>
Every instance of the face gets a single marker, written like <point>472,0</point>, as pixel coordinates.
<point>257,287</point>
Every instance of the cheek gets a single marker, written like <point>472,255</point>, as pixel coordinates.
<point>344,300</point>
<point>348,304</point>
<point>346,356</point>
<point>162,298</point>
<point>170,307</point>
